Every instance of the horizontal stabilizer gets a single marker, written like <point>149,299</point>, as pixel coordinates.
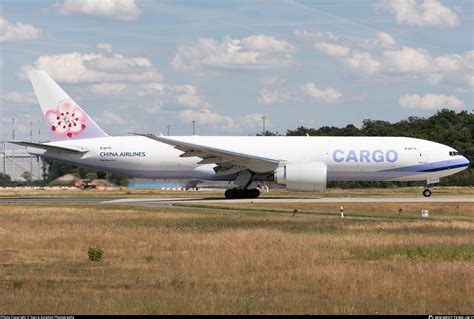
<point>48,147</point>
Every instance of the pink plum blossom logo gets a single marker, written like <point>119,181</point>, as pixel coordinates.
<point>67,119</point>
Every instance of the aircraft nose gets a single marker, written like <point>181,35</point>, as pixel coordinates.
<point>466,161</point>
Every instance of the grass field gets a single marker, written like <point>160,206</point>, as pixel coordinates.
<point>119,192</point>
<point>237,259</point>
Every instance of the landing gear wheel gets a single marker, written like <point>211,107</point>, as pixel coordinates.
<point>241,193</point>
<point>230,193</point>
<point>253,193</point>
<point>427,192</point>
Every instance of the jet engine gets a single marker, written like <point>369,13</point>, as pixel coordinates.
<point>302,177</point>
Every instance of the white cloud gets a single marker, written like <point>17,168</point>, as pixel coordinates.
<point>420,13</point>
<point>328,95</point>
<point>105,47</point>
<point>449,68</point>
<point>107,88</point>
<point>151,88</point>
<point>318,36</point>
<point>253,122</point>
<point>362,62</point>
<point>206,117</point>
<point>110,118</point>
<point>430,101</point>
<point>153,108</point>
<point>383,56</point>
<point>25,98</point>
<point>125,10</point>
<point>263,43</point>
<point>212,120</point>
<point>332,49</point>
<point>469,79</point>
<point>17,31</point>
<point>270,80</point>
<point>187,95</point>
<point>272,96</point>
<point>383,41</point>
<point>94,67</point>
<point>407,60</point>
<point>254,52</point>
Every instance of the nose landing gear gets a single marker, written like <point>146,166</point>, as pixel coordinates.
<point>429,181</point>
<point>427,192</point>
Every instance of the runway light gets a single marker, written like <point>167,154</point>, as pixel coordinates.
<point>342,212</point>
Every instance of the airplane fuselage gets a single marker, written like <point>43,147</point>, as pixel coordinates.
<point>346,158</point>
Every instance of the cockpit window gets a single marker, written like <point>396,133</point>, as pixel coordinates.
<point>454,153</point>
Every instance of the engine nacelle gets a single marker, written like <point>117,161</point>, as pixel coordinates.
<point>302,177</point>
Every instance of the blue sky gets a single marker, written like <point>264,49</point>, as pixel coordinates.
<point>143,65</point>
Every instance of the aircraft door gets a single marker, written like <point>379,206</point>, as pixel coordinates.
<point>422,157</point>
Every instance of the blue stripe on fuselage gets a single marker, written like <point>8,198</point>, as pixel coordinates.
<point>431,167</point>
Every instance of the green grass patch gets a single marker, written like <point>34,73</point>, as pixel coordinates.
<point>211,224</point>
<point>347,214</point>
<point>463,252</point>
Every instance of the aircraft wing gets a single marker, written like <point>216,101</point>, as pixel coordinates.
<point>49,147</point>
<point>228,161</point>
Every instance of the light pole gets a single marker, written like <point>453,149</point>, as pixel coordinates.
<point>168,127</point>
<point>194,127</point>
<point>31,156</point>
<point>13,150</point>
<point>263,122</point>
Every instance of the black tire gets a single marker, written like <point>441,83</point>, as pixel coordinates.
<point>241,193</point>
<point>427,193</point>
<point>253,193</point>
<point>83,187</point>
<point>229,194</point>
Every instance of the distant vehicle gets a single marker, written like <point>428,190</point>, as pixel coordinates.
<point>85,184</point>
<point>301,163</point>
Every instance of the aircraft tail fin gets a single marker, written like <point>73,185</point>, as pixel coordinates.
<point>65,118</point>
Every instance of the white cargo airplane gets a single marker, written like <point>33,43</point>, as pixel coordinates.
<point>300,163</point>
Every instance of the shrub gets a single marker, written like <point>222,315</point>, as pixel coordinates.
<point>18,283</point>
<point>95,253</point>
<point>149,259</point>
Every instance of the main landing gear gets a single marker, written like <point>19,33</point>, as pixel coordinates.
<point>241,193</point>
<point>244,179</point>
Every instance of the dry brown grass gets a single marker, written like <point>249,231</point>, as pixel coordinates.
<point>143,192</point>
<point>181,260</point>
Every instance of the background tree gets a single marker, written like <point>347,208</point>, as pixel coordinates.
<point>27,177</point>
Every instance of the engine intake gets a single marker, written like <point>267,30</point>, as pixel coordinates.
<point>303,177</point>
